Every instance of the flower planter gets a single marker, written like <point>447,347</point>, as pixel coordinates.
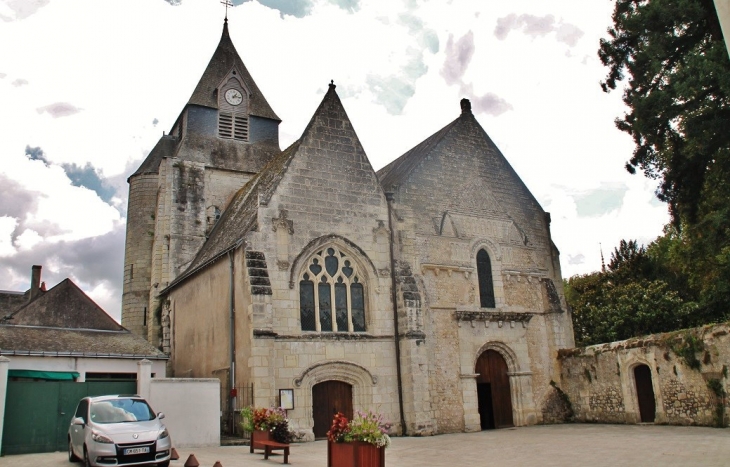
<point>354,454</point>
<point>260,435</point>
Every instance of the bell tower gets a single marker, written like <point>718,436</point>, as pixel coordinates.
<point>225,135</point>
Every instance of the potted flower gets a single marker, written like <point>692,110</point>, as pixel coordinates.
<point>265,425</point>
<point>359,442</point>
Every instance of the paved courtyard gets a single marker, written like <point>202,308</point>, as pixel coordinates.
<point>555,445</point>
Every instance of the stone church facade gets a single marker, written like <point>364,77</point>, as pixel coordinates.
<point>429,291</point>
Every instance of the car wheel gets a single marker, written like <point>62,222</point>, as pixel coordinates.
<point>71,456</point>
<point>87,461</point>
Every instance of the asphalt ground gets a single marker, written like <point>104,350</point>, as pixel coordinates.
<point>553,445</point>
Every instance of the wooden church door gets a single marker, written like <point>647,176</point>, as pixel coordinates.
<point>493,391</point>
<point>645,393</point>
<point>328,398</point>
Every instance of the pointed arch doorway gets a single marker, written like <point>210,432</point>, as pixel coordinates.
<point>493,391</point>
<point>328,398</point>
<point>645,394</point>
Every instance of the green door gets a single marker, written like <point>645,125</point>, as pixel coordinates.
<point>38,413</point>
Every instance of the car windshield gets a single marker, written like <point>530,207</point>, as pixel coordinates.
<point>120,411</point>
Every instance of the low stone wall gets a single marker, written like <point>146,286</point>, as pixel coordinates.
<point>689,380</point>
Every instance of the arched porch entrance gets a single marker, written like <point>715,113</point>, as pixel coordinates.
<point>645,393</point>
<point>328,398</point>
<point>493,391</point>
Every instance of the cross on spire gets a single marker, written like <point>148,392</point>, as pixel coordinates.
<point>227,3</point>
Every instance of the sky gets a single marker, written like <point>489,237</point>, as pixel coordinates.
<point>87,87</point>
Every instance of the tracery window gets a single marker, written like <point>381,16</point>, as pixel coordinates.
<point>486,285</point>
<point>331,293</point>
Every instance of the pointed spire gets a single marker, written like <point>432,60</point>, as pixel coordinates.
<point>226,58</point>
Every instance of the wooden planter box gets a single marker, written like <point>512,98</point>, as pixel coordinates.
<point>260,435</point>
<point>354,454</point>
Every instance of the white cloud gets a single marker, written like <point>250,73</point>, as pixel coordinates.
<point>133,75</point>
<point>59,109</point>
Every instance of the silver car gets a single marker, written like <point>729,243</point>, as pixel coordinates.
<point>118,430</point>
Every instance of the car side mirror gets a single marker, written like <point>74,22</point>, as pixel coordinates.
<point>78,421</point>
<point>160,415</point>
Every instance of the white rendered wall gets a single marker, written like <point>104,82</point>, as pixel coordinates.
<point>191,407</point>
<point>84,365</point>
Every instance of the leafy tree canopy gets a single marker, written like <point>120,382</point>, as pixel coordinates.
<point>676,63</point>
<point>635,296</point>
<point>678,94</point>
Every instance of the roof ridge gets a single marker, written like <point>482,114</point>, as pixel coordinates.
<point>411,158</point>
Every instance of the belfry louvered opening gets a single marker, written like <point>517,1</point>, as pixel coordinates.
<point>233,125</point>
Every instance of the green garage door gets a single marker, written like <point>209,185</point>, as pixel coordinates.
<point>38,413</point>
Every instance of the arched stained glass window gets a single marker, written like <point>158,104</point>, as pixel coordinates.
<point>337,303</point>
<point>486,285</point>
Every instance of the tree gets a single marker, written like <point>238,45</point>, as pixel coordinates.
<point>678,95</point>
<point>632,298</point>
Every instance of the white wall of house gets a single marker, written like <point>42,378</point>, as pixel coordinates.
<point>191,407</point>
<point>83,365</point>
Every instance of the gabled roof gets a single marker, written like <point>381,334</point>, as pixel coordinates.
<point>64,306</point>
<point>53,341</point>
<point>241,216</point>
<point>223,61</point>
<point>392,174</point>
<point>466,129</point>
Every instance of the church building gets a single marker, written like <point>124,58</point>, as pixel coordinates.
<point>429,291</point>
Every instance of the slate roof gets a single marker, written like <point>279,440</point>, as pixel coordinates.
<point>224,59</point>
<point>64,306</point>
<point>165,147</point>
<point>11,300</point>
<point>242,213</point>
<point>52,341</point>
<point>65,321</point>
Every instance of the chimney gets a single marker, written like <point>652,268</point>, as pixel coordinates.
<point>35,282</point>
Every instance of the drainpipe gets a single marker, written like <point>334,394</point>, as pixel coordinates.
<point>394,298</point>
<point>232,314</point>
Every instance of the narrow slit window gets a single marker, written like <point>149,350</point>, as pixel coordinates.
<point>306,304</point>
<point>486,285</point>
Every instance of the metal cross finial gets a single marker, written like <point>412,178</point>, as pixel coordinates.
<point>227,3</point>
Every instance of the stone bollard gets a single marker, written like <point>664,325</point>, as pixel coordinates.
<point>192,461</point>
<point>217,464</point>
<point>174,455</point>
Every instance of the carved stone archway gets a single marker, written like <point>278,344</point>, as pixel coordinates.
<point>359,377</point>
<point>523,403</point>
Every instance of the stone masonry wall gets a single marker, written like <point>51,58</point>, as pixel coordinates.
<point>689,372</point>
<point>138,252</point>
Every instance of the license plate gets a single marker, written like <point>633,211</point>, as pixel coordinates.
<point>131,451</point>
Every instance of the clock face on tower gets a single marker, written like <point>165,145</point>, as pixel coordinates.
<point>233,96</point>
